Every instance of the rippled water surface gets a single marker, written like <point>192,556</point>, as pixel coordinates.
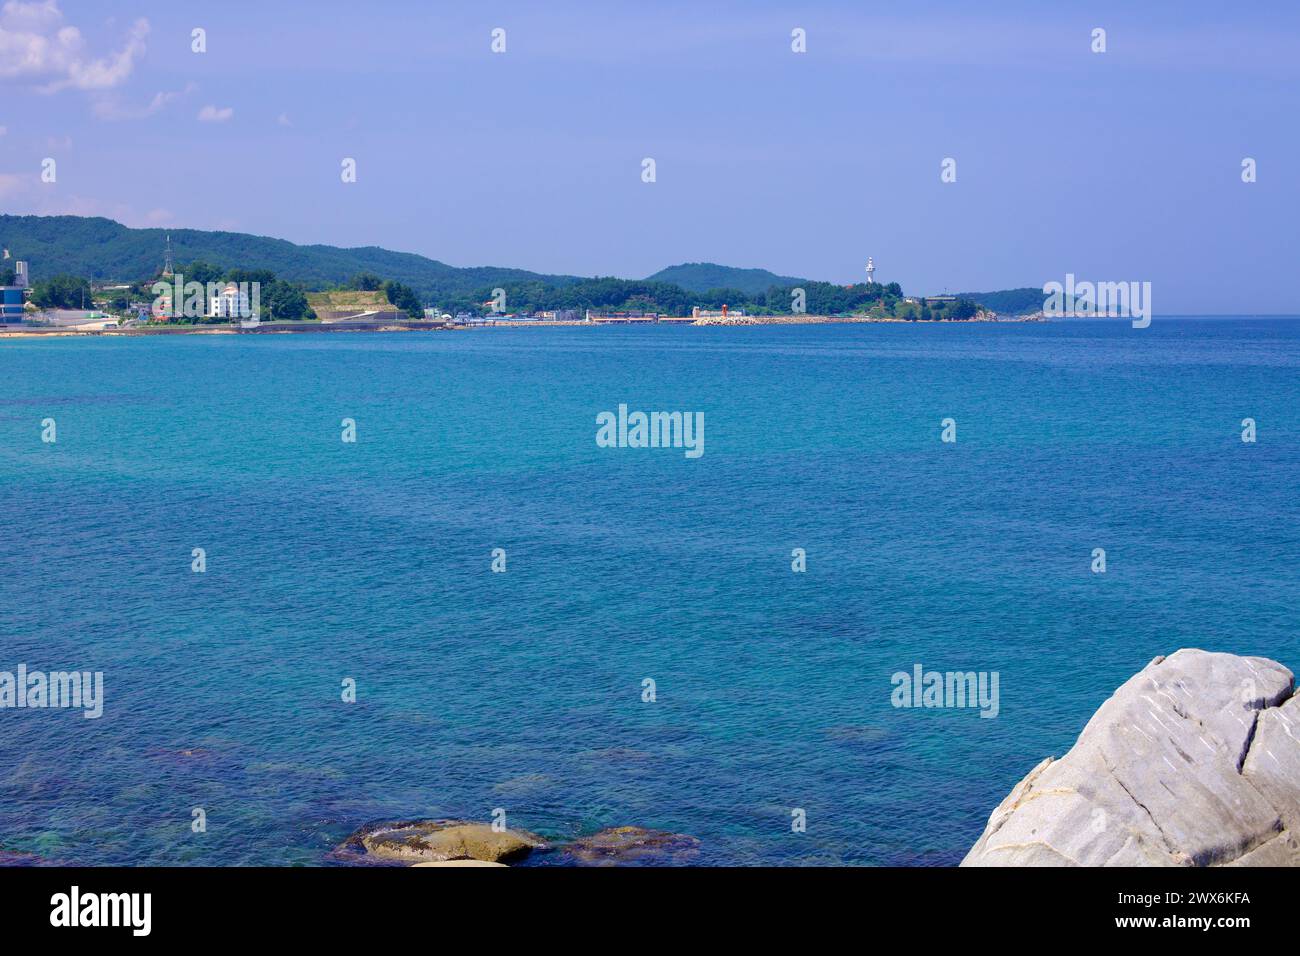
<point>523,690</point>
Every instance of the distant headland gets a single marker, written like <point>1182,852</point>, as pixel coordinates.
<point>94,275</point>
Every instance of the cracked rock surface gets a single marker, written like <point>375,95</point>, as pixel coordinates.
<point>1194,761</point>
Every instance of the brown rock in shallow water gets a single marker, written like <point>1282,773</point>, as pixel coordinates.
<point>440,840</point>
<point>633,845</point>
<point>458,863</point>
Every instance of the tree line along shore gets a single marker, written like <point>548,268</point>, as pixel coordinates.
<point>284,300</point>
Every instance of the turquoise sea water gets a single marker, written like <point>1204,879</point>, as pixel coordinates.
<point>522,690</point>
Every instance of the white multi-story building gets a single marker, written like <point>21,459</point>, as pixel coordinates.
<point>230,303</point>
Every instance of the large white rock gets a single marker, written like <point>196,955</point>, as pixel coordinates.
<point>1194,761</point>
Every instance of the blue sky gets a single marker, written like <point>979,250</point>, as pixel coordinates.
<point>1123,165</point>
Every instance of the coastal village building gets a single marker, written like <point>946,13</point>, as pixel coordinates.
<point>723,313</point>
<point>622,318</point>
<point>230,303</point>
<point>162,306</point>
<point>11,304</point>
<point>14,297</point>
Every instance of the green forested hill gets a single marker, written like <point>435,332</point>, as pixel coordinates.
<point>103,250</point>
<point>1009,301</point>
<point>703,276</point>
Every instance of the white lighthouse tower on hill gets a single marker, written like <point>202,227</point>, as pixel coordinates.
<point>871,270</point>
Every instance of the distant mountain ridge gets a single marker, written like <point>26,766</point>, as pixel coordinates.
<point>103,250</point>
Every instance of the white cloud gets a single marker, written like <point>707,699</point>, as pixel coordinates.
<point>39,46</point>
<point>212,114</point>
<point>283,120</point>
<point>110,106</point>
